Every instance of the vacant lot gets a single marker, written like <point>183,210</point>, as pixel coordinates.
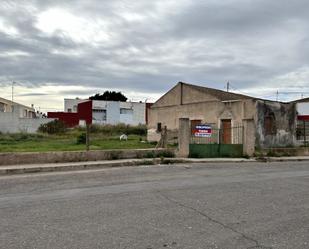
<point>68,142</point>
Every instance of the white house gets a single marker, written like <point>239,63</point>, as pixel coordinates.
<point>15,117</point>
<point>112,112</point>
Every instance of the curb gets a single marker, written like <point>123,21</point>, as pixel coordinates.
<point>27,169</point>
<point>61,167</point>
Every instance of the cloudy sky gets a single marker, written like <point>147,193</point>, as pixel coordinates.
<point>55,49</point>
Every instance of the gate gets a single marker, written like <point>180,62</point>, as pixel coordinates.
<point>302,132</point>
<point>225,142</point>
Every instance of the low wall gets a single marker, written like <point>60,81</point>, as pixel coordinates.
<point>10,122</point>
<point>295,151</point>
<point>31,125</point>
<point>79,156</point>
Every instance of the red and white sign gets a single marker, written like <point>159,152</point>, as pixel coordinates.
<point>202,131</point>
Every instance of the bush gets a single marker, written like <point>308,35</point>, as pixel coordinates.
<point>165,153</point>
<point>81,139</point>
<point>53,127</point>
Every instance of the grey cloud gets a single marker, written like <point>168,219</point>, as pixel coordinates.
<point>239,17</point>
<point>203,42</point>
<point>31,94</point>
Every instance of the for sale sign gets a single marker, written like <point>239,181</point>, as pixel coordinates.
<point>202,131</point>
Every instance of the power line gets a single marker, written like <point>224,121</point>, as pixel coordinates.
<point>236,89</point>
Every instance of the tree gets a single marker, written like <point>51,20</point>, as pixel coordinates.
<point>109,95</point>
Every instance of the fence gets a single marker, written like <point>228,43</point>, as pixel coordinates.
<point>302,132</point>
<point>227,142</point>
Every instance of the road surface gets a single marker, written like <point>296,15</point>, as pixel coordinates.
<point>244,205</point>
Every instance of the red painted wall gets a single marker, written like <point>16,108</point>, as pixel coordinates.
<point>71,119</point>
<point>84,111</point>
<point>303,117</point>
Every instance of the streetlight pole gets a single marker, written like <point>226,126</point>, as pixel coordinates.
<point>13,91</point>
<point>13,95</point>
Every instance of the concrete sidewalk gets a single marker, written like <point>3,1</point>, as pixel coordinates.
<point>56,167</point>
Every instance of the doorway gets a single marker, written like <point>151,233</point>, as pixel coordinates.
<point>226,126</point>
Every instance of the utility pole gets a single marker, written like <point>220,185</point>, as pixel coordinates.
<point>13,96</point>
<point>13,91</point>
<point>87,135</point>
<point>277,95</point>
<point>228,86</point>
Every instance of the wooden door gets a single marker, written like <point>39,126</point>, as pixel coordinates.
<point>193,124</point>
<point>226,131</point>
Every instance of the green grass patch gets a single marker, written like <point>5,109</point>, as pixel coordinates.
<point>68,142</point>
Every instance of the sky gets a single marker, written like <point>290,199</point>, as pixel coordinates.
<point>56,49</point>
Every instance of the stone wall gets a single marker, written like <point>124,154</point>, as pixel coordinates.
<point>280,118</point>
<point>78,156</point>
<point>196,105</point>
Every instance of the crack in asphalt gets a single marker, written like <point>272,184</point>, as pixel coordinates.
<point>257,244</point>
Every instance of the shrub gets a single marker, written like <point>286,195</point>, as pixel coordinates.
<point>165,153</point>
<point>150,155</point>
<point>81,139</point>
<point>53,127</point>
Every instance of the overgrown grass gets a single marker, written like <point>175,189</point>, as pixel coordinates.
<point>68,142</point>
<point>118,129</point>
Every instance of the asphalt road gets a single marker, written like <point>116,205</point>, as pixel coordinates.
<point>246,205</point>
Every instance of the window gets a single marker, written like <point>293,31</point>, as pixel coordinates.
<point>99,114</point>
<point>159,127</point>
<point>99,110</point>
<point>69,110</point>
<point>270,125</point>
<point>126,111</point>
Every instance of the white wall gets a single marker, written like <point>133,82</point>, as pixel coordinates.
<point>112,112</point>
<point>72,104</point>
<point>113,115</point>
<point>11,122</point>
<point>138,116</point>
<point>303,108</point>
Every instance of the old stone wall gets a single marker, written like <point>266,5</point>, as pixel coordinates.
<point>275,124</point>
<point>210,112</point>
<point>78,156</point>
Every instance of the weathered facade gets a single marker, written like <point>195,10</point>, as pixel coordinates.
<point>265,123</point>
<point>275,124</point>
